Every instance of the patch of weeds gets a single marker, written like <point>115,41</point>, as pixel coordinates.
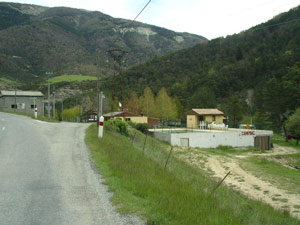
<point>256,187</point>
<point>277,195</point>
<point>266,192</point>
<point>226,167</point>
<point>284,200</point>
<point>296,206</point>
<point>241,180</point>
<point>275,199</point>
<point>255,149</point>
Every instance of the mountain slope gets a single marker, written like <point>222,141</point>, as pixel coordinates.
<point>225,65</point>
<point>35,39</point>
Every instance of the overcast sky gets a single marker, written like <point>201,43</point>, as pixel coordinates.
<point>209,18</point>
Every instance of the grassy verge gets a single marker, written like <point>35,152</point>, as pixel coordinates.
<point>274,173</point>
<point>32,116</point>
<point>71,78</point>
<point>177,195</point>
<point>280,140</point>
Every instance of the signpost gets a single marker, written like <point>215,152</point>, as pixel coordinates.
<point>100,129</point>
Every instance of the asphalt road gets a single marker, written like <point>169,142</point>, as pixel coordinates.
<point>47,177</point>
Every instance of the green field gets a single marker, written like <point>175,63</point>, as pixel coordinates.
<point>7,81</point>
<point>71,78</point>
<point>179,194</point>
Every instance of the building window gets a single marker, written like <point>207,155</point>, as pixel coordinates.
<point>213,118</point>
<point>32,106</point>
<point>127,119</point>
<point>14,106</point>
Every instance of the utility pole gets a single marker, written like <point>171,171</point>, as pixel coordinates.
<point>62,109</point>
<point>100,103</point>
<point>117,55</point>
<point>53,102</point>
<point>48,107</point>
<point>34,107</point>
<point>15,98</point>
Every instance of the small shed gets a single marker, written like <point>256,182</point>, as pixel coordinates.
<point>197,117</point>
<point>135,118</point>
<point>22,101</point>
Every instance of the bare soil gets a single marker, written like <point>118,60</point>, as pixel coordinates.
<point>243,181</point>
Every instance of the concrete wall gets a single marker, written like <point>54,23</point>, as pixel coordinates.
<point>163,136</point>
<point>134,119</point>
<point>212,139</point>
<point>218,119</point>
<point>192,121</point>
<point>6,103</point>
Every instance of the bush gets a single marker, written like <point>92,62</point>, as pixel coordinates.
<point>117,125</point>
<point>71,114</point>
<point>143,127</point>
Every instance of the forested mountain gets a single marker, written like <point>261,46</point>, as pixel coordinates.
<point>260,66</point>
<point>35,39</point>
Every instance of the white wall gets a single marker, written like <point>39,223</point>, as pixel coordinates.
<point>214,139</point>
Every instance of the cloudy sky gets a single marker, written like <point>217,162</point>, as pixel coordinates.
<point>209,18</point>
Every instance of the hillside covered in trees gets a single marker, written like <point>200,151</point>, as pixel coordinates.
<point>254,73</point>
<point>36,39</point>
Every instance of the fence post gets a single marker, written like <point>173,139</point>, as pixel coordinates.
<point>220,183</point>
<point>145,143</point>
<point>168,157</point>
<point>133,138</point>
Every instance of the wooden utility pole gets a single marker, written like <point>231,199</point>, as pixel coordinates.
<point>48,107</point>
<point>53,102</point>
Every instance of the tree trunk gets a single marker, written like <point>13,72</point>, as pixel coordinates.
<point>297,140</point>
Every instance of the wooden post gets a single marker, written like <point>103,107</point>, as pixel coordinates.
<point>133,138</point>
<point>168,157</point>
<point>220,183</point>
<point>145,143</point>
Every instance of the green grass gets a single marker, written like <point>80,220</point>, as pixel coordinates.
<point>71,78</point>
<point>8,81</point>
<point>292,160</point>
<point>273,173</point>
<point>32,116</point>
<point>177,195</point>
<point>280,140</point>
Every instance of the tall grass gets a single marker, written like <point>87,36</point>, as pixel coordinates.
<point>280,140</point>
<point>177,195</point>
<point>274,173</point>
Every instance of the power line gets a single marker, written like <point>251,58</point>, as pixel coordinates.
<point>273,25</point>
<point>140,12</point>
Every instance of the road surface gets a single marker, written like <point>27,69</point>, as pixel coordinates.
<point>46,176</point>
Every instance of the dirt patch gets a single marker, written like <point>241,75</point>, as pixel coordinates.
<point>243,181</point>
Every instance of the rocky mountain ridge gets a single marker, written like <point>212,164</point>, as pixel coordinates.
<point>35,39</point>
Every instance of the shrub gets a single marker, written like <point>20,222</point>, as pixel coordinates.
<point>143,127</point>
<point>117,125</point>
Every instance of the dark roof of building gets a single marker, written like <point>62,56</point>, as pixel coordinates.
<point>205,112</point>
<point>113,114</point>
<point>21,93</point>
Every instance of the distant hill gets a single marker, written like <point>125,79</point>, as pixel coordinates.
<point>241,65</point>
<point>35,39</point>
